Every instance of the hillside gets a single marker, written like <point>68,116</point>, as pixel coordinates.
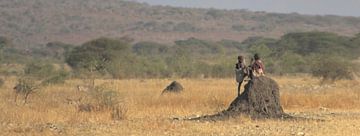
<point>32,22</point>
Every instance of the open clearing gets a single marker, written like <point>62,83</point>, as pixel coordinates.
<point>337,106</point>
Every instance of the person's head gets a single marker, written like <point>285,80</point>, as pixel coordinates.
<point>256,56</point>
<point>240,58</point>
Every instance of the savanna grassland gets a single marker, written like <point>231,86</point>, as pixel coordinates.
<point>134,50</point>
<point>333,109</point>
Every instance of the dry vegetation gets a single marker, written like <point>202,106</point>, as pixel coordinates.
<point>147,113</point>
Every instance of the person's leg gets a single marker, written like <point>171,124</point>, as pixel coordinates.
<point>251,74</point>
<point>239,86</point>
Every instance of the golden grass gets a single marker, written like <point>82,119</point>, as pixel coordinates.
<point>148,111</point>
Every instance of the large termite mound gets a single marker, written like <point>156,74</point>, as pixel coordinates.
<point>260,99</point>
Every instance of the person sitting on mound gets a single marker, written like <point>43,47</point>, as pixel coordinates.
<point>257,67</point>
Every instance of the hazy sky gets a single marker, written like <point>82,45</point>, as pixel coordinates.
<point>318,7</point>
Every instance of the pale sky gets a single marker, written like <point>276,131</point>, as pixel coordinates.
<point>313,7</point>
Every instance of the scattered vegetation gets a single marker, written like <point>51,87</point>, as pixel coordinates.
<point>326,55</point>
<point>25,87</point>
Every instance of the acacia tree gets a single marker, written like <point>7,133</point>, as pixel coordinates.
<point>96,56</point>
<point>333,68</point>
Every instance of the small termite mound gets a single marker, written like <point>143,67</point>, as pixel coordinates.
<point>174,87</point>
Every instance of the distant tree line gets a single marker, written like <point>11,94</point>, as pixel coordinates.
<point>322,54</point>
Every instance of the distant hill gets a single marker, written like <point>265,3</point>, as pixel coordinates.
<point>33,22</point>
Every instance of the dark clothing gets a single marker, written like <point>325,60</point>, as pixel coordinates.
<point>240,72</point>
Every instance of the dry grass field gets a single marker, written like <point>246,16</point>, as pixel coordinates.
<point>146,112</point>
